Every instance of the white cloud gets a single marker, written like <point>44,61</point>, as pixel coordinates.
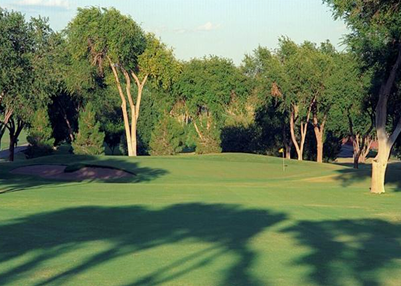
<point>209,26</point>
<point>45,3</point>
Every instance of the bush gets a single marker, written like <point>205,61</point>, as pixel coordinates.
<point>208,141</point>
<point>40,135</point>
<point>167,138</point>
<point>88,140</point>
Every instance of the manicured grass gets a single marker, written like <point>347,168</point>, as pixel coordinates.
<point>226,219</point>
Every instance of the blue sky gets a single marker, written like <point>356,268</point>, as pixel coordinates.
<point>195,28</point>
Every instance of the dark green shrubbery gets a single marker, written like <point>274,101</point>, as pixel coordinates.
<point>89,140</point>
<point>40,135</point>
<point>167,138</point>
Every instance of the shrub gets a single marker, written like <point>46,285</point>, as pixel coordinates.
<point>40,135</point>
<point>89,140</point>
<point>167,138</point>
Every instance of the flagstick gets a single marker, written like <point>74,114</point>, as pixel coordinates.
<point>283,162</point>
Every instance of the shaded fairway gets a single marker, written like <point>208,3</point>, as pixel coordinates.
<point>200,220</point>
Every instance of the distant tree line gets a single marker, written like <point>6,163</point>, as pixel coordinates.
<point>104,82</point>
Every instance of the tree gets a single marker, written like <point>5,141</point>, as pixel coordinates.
<point>40,135</point>
<point>206,87</point>
<point>324,63</point>
<point>22,49</point>
<point>269,82</point>
<point>352,112</point>
<point>376,38</point>
<point>89,140</point>
<point>96,35</point>
<point>297,87</point>
<point>167,138</point>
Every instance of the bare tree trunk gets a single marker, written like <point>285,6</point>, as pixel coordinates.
<point>319,133</point>
<point>67,122</point>
<point>7,115</point>
<point>379,166</point>
<point>287,150</point>
<point>286,142</point>
<point>15,131</point>
<point>123,107</point>
<point>356,150</point>
<point>304,128</point>
<point>319,141</point>
<point>11,148</point>
<point>293,137</point>
<point>136,109</point>
<point>385,141</point>
<point>366,149</point>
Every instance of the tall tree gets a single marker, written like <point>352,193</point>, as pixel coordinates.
<point>324,63</point>
<point>376,37</point>
<point>269,82</point>
<point>298,90</point>
<point>22,49</point>
<point>109,39</point>
<point>206,86</point>
<point>352,111</point>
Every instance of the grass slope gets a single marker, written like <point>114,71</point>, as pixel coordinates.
<point>200,220</point>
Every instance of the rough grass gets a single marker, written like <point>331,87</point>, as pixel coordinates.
<point>200,220</point>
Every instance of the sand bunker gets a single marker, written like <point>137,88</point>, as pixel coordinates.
<point>86,173</point>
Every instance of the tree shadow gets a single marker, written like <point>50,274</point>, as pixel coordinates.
<point>349,176</point>
<point>16,182</point>
<point>131,229</point>
<point>348,252</point>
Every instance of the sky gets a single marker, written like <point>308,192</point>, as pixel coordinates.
<point>197,28</point>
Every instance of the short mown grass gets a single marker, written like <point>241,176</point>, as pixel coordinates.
<point>230,219</point>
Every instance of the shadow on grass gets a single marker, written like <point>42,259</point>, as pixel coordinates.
<point>349,252</point>
<point>129,230</point>
<point>348,176</point>
<point>14,182</point>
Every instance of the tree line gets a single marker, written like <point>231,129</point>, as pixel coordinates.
<point>104,81</point>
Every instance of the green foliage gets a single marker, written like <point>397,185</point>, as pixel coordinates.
<point>209,137</point>
<point>88,140</point>
<point>158,62</point>
<point>40,135</point>
<point>167,138</point>
<point>375,28</point>
<point>209,83</point>
<point>96,33</point>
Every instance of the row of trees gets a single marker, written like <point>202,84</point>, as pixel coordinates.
<point>305,97</point>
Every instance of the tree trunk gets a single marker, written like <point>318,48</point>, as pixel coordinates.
<point>386,142</point>
<point>15,131</point>
<point>319,133</point>
<point>134,142</point>
<point>286,142</point>
<point>379,166</point>
<point>288,151</point>
<point>356,160</point>
<point>319,158</point>
<point>69,128</point>
<point>11,148</point>
<point>130,129</point>
<point>298,149</point>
